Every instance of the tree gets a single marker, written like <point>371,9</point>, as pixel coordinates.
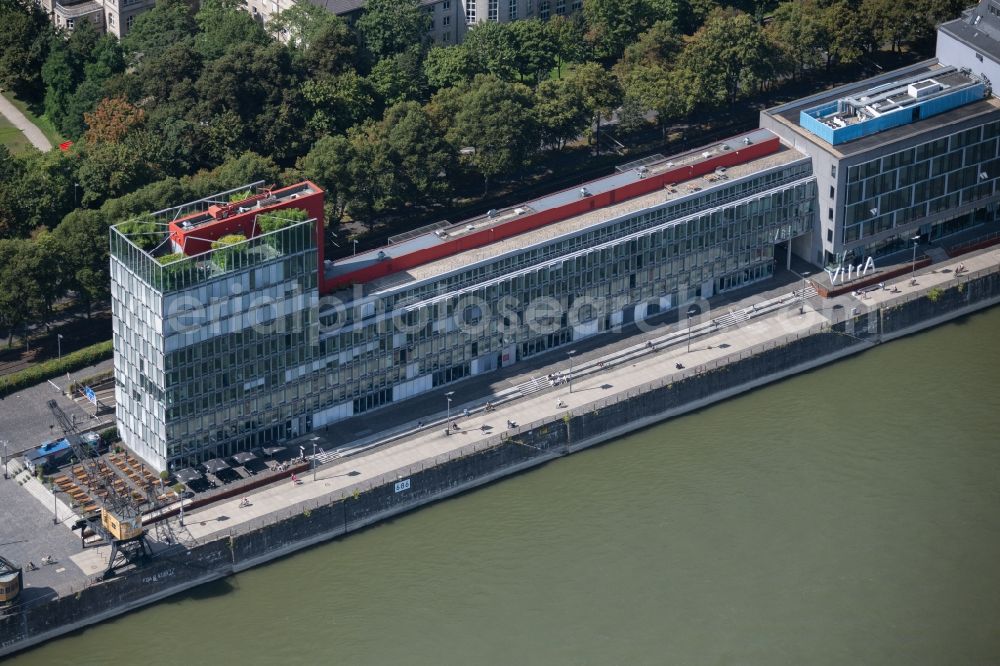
<point>535,53</point>
<point>320,40</point>
<point>567,37</point>
<point>104,62</point>
<point>798,30</point>
<point>81,45</point>
<point>388,27</point>
<point>728,55</point>
<point>45,189</point>
<point>250,97</point>
<point>112,120</point>
<point>237,171</point>
<point>398,78</point>
<point>842,35</point>
<point>599,91</point>
<point>659,45</point>
<point>336,102</point>
<point>491,46</point>
<point>60,81</point>
<point>328,164</point>
<point>82,239</point>
<point>446,66</point>
<point>111,169</point>
<point>561,113</point>
<point>422,157</point>
<point>169,22</point>
<point>222,24</point>
<point>613,24</point>
<point>23,49</point>
<point>21,295</point>
<point>496,119</point>
<point>377,185</point>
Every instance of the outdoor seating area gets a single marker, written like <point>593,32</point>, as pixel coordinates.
<point>80,498</point>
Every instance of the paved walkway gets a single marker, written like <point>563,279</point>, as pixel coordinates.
<point>21,122</point>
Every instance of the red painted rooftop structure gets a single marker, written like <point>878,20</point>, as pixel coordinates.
<point>194,233</point>
<point>422,248</point>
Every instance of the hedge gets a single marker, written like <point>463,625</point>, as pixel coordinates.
<point>71,362</point>
<point>110,435</point>
<point>92,380</point>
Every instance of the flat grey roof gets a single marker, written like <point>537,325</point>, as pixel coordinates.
<point>592,218</point>
<point>977,28</point>
<point>788,114</point>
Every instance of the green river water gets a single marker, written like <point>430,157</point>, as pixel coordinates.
<point>850,515</point>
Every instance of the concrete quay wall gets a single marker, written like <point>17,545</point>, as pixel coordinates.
<point>180,568</point>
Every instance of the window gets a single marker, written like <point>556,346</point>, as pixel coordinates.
<point>446,4</point>
<point>543,9</point>
<point>831,191</point>
<point>446,37</point>
<point>829,213</point>
<point>129,21</point>
<point>69,23</point>
<point>829,235</point>
<point>445,20</point>
<point>833,171</point>
<point>577,4</point>
<point>512,10</point>
<point>493,11</point>
<point>560,6</point>
<point>470,11</point>
<point>111,19</point>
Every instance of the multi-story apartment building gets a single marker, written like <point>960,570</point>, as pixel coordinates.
<point>445,24</point>
<point>223,344</point>
<point>113,16</point>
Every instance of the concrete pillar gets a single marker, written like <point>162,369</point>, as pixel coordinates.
<point>788,257</point>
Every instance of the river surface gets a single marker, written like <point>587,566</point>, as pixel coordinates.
<point>850,515</point>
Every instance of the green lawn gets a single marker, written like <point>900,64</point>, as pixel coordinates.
<point>13,138</point>
<point>43,123</point>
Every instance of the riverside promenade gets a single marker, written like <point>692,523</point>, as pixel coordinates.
<point>598,378</point>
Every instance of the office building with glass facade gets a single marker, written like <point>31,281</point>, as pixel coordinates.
<point>911,154</point>
<point>232,332</point>
<point>212,304</point>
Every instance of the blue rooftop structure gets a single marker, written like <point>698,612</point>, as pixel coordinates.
<point>891,105</point>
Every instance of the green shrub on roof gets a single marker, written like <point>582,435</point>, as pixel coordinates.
<point>225,256</point>
<point>144,232</point>
<point>229,239</point>
<point>280,219</point>
<point>240,196</point>
<point>170,258</point>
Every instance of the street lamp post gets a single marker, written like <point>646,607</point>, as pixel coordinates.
<point>4,458</point>
<point>692,311</point>
<point>570,354</point>
<point>805,285</point>
<point>55,510</point>
<point>314,439</point>
<point>355,247</point>
<point>447,396</point>
<point>913,268</point>
<point>59,343</point>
